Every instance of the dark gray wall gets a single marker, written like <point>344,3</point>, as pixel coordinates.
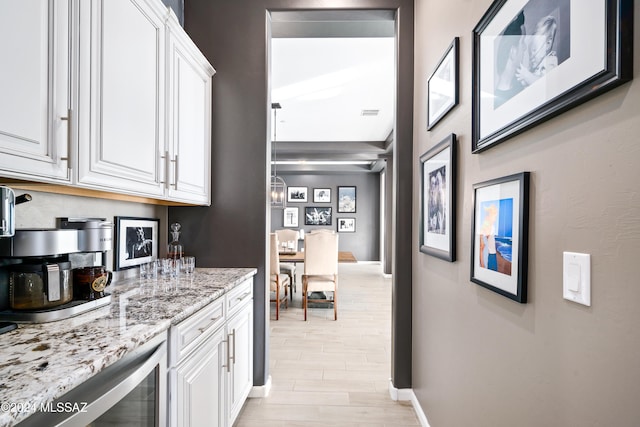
<point>232,232</point>
<point>365,242</point>
<point>483,360</point>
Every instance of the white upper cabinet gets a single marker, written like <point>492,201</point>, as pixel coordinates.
<point>109,95</point>
<point>35,86</point>
<point>122,96</point>
<point>188,118</point>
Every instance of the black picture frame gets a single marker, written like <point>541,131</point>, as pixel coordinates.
<point>500,235</point>
<point>438,199</point>
<point>347,198</point>
<point>321,195</point>
<point>290,217</point>
<point>515,89</point>
<point>136,241</point>
<point>297,194</point>
<point>442,85</point>
<point>317,215</point>
<point>346,225</point>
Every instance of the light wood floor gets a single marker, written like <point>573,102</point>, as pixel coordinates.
<point>328,373</point>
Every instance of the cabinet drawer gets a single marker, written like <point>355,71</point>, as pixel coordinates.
<point>187,335</point>
<point>239,296</point>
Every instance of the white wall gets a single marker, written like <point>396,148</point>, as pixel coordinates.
<point>480,359</point>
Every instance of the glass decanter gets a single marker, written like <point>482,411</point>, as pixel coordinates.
<point>175,249</point>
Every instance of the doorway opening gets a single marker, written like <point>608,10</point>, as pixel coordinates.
<point>333,75</point>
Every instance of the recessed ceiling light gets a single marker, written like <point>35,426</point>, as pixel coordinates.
<point>369,112</point>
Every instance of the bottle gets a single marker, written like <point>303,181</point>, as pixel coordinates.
<point>175,249</point>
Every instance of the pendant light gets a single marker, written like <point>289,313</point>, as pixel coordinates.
<point>278,186</point>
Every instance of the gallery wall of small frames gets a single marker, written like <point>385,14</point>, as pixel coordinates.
<point>526,69</point>
<point>321,212</point>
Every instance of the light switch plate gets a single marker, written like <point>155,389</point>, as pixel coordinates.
<point>576,280</point>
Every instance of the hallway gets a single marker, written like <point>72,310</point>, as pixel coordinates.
<point>327,373</point>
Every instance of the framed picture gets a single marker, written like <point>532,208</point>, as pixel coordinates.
<point>346,199</point>
<point>438,200</point>
<point>321,195</point>
<point>346,225</point>
<point>136,241</point>
<point>316,215</point>
<point>534,59</point>
<point>297,194</point>
<point>442,86</point>
<point>500,235</point>
<point>290,218</point>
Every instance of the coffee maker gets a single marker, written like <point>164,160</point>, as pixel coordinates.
<point>37,265</point>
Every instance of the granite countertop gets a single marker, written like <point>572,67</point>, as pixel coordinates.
<point>41,362</point>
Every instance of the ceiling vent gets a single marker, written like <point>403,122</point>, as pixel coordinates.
<point>369,112</point>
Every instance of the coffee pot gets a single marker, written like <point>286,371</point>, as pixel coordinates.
<point>8,202</point>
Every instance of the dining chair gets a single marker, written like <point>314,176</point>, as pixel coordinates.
<point>320,269</point>
<point>322,230</point>
<point>291,237</point>
<point>278,282</point>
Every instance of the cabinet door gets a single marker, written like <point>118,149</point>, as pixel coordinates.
<point>121,98</point>
<point>240,334</point>
<point>35,83</point>
<point>189,116</point>
<point>198,398</point>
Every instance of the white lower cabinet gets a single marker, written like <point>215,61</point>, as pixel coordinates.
<point>199,385</point>
<point>239,326</point>
<point>211,361</point>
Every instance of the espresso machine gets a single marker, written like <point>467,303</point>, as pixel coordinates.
<point>37,269</point>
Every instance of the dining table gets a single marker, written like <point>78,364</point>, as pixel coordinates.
<point>298,256</point>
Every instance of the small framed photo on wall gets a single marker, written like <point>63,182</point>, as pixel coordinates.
<point>136,241</point>
<point>297,194</point>
<point>500,238</point>
<point>290,217</point>
<point>442,86</point>
<point>321,195</point>
<point>346,225</point>
<point>317,215</point>
<point>346,199</point>
<point>438,200</point>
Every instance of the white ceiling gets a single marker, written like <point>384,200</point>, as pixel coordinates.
<point>327,66</point>
<point>324,84</point>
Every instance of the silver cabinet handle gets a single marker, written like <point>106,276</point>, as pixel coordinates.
<point>228,364</point>
<point>213,320</point>
<point>167,164</point>
<point>234,346</point>
<point>68,120</point>
<point>243,296</point>
<point>175,175</point>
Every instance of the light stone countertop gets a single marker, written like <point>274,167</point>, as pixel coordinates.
<point>42,362</point>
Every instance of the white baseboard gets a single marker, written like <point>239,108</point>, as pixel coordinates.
<point>261,390</point>
<point>407,394</point>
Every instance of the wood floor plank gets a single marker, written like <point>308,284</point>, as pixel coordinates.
<point>333,373</point>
